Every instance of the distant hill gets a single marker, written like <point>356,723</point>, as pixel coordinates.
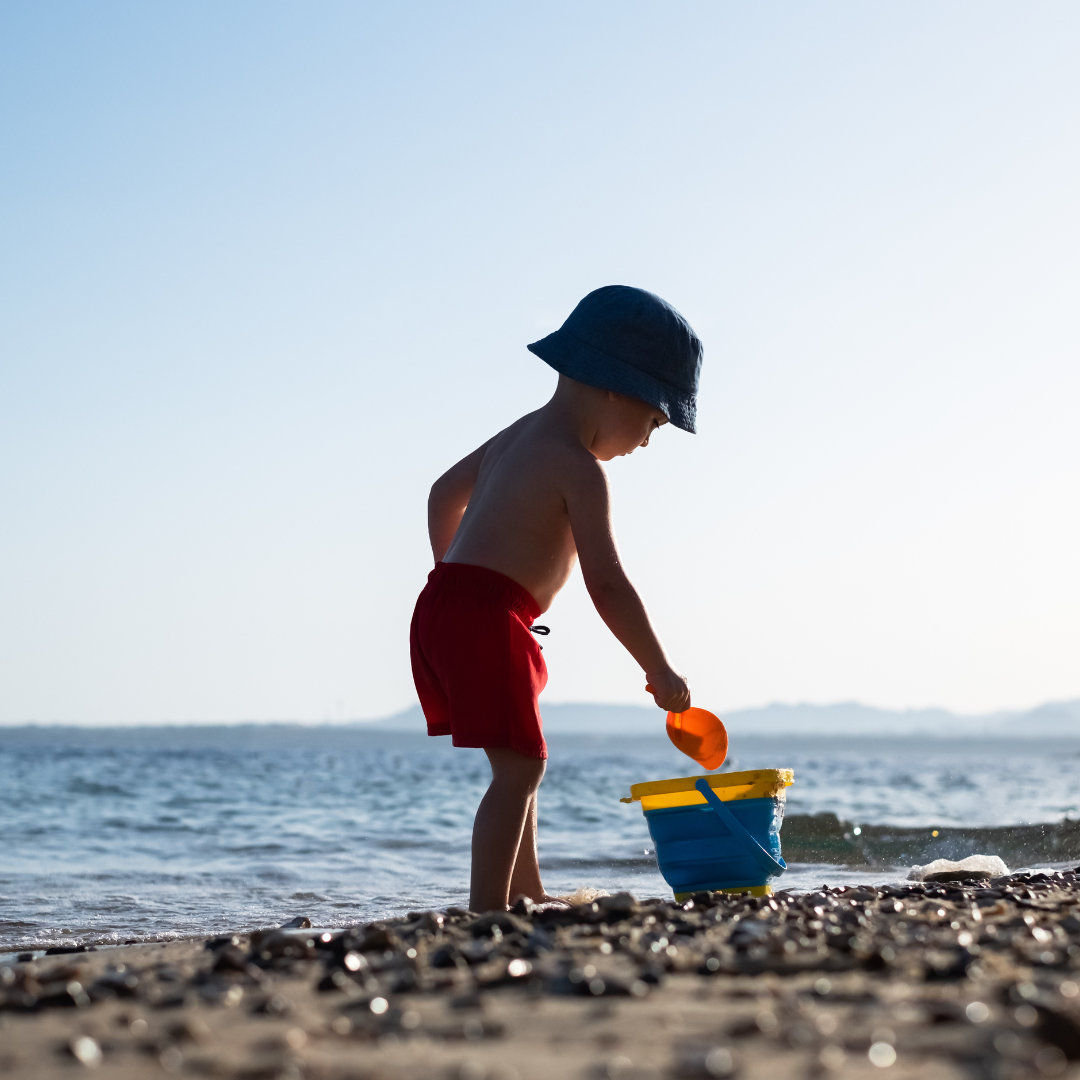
<point>1060,719</point>
<point>1055,719</point>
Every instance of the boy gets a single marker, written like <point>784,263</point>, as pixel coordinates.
<point>507,523</point>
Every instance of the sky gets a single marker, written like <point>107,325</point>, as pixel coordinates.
<point>267,269</point>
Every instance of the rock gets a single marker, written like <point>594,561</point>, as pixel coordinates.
<point>949,967</point>
<point>377,936</point>
<point>281,944</point>
<point>220,942</point>
<point>431,921</point>
<point>504,921</point>
<point>623,905</point>
<point>86,1051</point>
<point>122,984</point>
<point>230,958</point>
<point>1061,1030</point>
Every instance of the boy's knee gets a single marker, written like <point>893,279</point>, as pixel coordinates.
<point>520,771</point>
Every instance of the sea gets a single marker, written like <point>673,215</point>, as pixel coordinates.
<point>118,835</point>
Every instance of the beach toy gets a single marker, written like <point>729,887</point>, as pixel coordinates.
<point>699,734</point>
<point>717,833</point>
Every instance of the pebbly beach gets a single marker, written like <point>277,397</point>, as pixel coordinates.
<point>961,977</point>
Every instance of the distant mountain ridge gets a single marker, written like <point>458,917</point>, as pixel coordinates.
<point>1055,719</point>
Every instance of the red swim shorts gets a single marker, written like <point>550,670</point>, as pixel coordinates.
<point>478,670</point>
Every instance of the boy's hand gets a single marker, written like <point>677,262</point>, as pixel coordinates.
<point>669,690</point>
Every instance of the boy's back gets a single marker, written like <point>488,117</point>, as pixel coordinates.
<point>539,496</point>
<point>516,520</point>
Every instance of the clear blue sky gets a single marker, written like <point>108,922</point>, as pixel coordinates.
<point>267,269</point>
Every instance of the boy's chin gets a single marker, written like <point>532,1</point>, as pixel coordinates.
<point>610,453</point>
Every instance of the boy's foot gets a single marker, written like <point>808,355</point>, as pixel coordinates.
<point>545,903</point>
<point>552,903</point>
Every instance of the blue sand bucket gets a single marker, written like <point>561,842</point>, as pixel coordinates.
<point>717,832</point>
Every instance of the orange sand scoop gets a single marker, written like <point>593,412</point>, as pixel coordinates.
<point>700,735</point>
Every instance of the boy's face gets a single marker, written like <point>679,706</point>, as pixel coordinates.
<point>626,423</point>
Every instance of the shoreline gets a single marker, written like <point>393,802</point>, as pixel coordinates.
<point>834,875</point>
<point>940,979</point>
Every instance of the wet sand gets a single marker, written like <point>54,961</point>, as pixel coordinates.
<point>943,979</point>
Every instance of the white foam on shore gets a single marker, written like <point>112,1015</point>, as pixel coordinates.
<point>583,895</point>
<point>990,864</point>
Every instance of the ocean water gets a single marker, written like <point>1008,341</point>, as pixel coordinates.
<point>114,835</point>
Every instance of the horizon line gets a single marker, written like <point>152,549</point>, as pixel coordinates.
<point>998,714</point>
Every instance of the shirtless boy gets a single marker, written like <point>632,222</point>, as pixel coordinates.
<point>506,525</point>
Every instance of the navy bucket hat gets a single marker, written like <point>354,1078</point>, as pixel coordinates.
<point>630,341</point>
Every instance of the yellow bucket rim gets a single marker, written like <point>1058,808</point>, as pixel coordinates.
<point>680,791</point>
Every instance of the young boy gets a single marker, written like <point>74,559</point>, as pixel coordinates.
<point>506,524</point>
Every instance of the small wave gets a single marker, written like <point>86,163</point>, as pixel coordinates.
<point>275,873</point>
<point>80,786</point>
<point>825,838</point>
<point>254,849</point>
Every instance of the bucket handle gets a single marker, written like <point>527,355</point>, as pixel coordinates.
<point>772,866</point>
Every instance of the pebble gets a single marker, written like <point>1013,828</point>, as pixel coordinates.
<point>978,971</point>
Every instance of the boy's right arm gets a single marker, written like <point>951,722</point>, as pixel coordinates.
<point>449,496</point>
<point>588,504</point>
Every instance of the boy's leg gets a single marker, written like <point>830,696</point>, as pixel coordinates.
<point>506,810</point>
<point>525,880</point>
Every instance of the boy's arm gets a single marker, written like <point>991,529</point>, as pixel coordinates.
<point>588,502</point>
<point>449,496</point>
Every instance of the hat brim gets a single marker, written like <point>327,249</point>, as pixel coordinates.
<point>575,359</point>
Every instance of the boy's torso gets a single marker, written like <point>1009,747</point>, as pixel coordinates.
<point>517,521</point>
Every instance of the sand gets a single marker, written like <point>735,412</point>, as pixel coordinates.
<point>958,979</point>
